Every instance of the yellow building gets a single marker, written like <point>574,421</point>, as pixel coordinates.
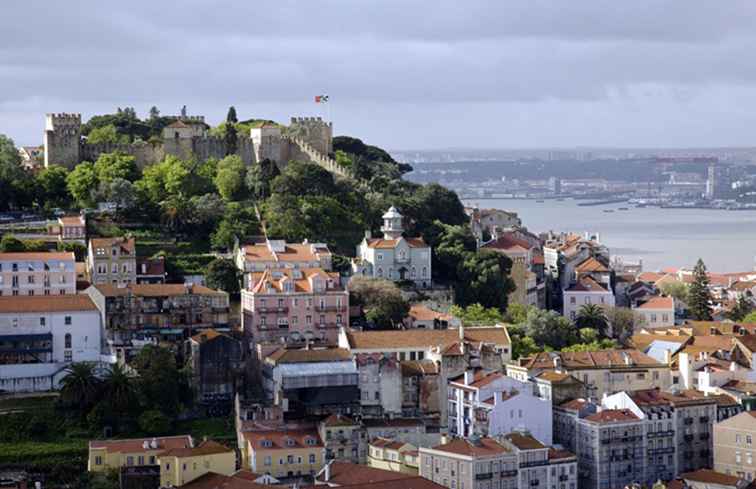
<point>181,465</point>
<point>395,456</point>
<point>283,453</point>
<point>114,454</point>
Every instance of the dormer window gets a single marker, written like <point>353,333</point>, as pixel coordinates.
<point>266,443</point>
<point>289,442</point>
<point>310,441</point>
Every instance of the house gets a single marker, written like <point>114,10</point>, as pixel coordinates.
<point>557,387</point>
<point>337,473</point>
<point>70,228</point>
<point>583,292</point>
<point>488,223</point>
<point>344,439</point>
<point>150,270</point>
<point>215,360</point>
<point>476,463</point>
<point>41,335</point>
<point>295,306</point>
<point>521,253</point>
<point>408,430</point>
<point>115,454</point>
<point>37,273</point>
<point>712,479</point>
<point>112,261</point>
<point>394,257</point>
<point>283,453</point>
<point>602,372</point>
<point>540,465</point>
<point>278,254</point>
<point>241,479</point>
<point>657,312</point>
<point>734,446</point>
<point>180,465</point>
<point>423,317</point>
<point>396,456</point>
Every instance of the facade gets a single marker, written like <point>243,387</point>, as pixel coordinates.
<point>541,466</point>
<point>72,228</point>
<point>137,313</point>
<point>37,273</point>
<point>557,387</point>
<point>602,372</point>
<point>278,254</point>
<point>734,446</point>
<point>657,312</point>
<point>477,463</point>
<point>150,270</point>
<point>583,292</point>
<point>284,453</point>
<point>179,466</point>
<point>423,317</point>
<point>396,456</point>
<point>394,257</point>
<point>521,253</point>
<point>115,454</point>
<point>112,261</point>
<point>490,222</point>
<point>344,439</point>
<point>40,336</point>
<point>294,306</point>
<point>216,363</point>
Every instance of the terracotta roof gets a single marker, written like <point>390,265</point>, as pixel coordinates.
<point>591,265</point>
<point>414,482</point>
<point>658,302</point>
<point>206,335</point>
<point>481,378</point>
<point>292,252</point>
<point>722,400</point>
<point>612,415</point>
<point>711,477</point>
<point>508,242</point>
<point>743,285</point>
<point>480,448</point>
<point>46,303</point>
<point>282,439</point>
<point>284,355</point>
<point>387,443</point>
<point>442,338</point>
<point>339,420</point>
<point>574,404</point>
<point>524,442</point>
<point>748,388</point>
<point>553,377</point>
<point>207,447</point>
<point>154,266</point>
<point>586,284</point>
<point>420,312</point>
<point>650,277</point>
<point>71,220</point>
<point>300,279</point>
<point>37,256</point>
<point>748,341</point>
<point>177,124</point>
<point>126,244</point>
<point>657,397</point>
<point>643,340</point>
<point>136,445</point>
<point>211,480</point>
<point>393,243</point>
<point>155,290</point>
<point>419,367</point>
<point>389,423</point>
<point>591,359</point>
<point>560,454</point>
<point>347,474</point>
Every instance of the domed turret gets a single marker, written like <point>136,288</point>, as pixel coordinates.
<point>392,224</point>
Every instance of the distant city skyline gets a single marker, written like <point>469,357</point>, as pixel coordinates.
<point>525,74</point>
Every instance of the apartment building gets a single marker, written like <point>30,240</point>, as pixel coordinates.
<point>284,453</point>
<point>610,449</point>
<point>565,416</point>
<point>181,465</point>
<point>114,454</point>
<point>541,466</point>
<point>295,306</point>
<point>112,261</point>
<point>476,463</point>
<point>71,228</point>
<point>656,312</point>
<point>585,291</point>
<point>488,403</point>
<point>215,360</point>
<point>557,387</point>
<point>344,439</point>
<point>735,445</point>
<point>521,253</point>
<point>278,254</point>
<point>37,273</point>
<point>40,336</point>
<point>396,456</point>
<point>602,372</point>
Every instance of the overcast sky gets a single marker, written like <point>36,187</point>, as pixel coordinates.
<point>400,74</point>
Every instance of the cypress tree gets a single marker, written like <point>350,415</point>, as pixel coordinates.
<point>231,137</point>
<point>699,295</point>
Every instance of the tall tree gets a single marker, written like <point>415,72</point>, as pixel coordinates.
<point>699,295</point>
<point>159,379</point>
<point>231,132</point>
<point>82,184</point>
<point>154,112</point>
<point>223,274</point>
<point>80,386</point>
<point>231,116</point>
<point>119,391</point>
<point>230,178</point>
<point>592,316</point>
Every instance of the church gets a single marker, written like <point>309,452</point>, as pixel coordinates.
<point>393,256</point>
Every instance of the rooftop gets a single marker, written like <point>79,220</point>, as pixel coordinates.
<point>346,474</point>
<point>586,284</point>
<point>126,245</point>
<point>283,439</point>
<point>278,251</point>
<point>155,290</point>
<point>658,302</point>
<point>524,442</point>
<point>339,420</point>
<point>37,256</point>
<point>711,477</point>
<point>382,243</point>
<point>474,448</point>
<point>207,447</point>
<point>46,303</point>
<point>136,445</point>
<point>309,355</point>
<point>612,416</point>
<point>419,338</point>
<point>300,278</point>
<point>591,265</point>
<point>590,360</point>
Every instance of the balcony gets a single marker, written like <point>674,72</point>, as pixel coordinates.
<point>564,477</point>
<point>508,473</point>
<point>264,310</point>
<point>484,476</point>
<point>330,308</point>
<point>704,436</point>
<point>688,437</point>
<point>535,483</point>
<point>534,463</point>
<point>654,434</point>
<point>704,419</point>
<point>688,421</point>
<point>329,325</point>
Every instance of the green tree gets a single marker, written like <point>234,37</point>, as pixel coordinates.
<point>51,187</point>
<point>381,299</point>
<point>623,322</point>
<point>82,184</point>
<point>430,203</point>
<point>110,166</point>
<point>231,115</point>
<point>154,113</point>
<point>119,395</point>
<point>121,192</point>
<point>154,422</point>
<point>239,222</point>
<point>223,274</point>
<point>80,386</point>
<point>740,310</point>
<point>749,318</point>
<point>11,244</point>
<point>451,245</point>
<point>230,178</point>
<point>699,295</point>
<point>106,135</point>
<point>550,329</point>
<point>302,179</point>
<point>597,345</point>
<point>260,176</point>
<point>475,314</point>
<point>484,277</point>
<point>517,313</point>
<point>14,180</point>
<point>592,316</point>
<point>231,138</point>
<point>159,381</point>
<point>678,290</point>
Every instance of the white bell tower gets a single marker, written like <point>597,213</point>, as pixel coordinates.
<point>392,224</point>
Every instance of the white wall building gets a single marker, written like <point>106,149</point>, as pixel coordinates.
<point>394,257</point>
<point>40,336</point>
<point>585,291</point>
<point>37,273</point>
<point>657,312</point>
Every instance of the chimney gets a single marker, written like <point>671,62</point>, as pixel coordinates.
<point>37,485</point>
<point>557,362</point>
<point>469,376</point>
<point>627,359</point>
<point>145,444</point>
<point>444,439</point>
<point>154,443</point>
<point>461,332</point>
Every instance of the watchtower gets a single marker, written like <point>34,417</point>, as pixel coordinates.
<point>314,131</point>
<point>62,139</point>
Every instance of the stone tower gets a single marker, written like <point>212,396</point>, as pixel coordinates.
<point>392,224</point>
<point>62,139</point>
<point>266,140</point>
<point>313,131</point>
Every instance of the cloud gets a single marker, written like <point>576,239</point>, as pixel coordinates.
<point>618,64</point>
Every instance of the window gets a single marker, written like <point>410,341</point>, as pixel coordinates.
<point>267,460</point>
<point>573,300</point>
<point>377,395</point>
<point>748,439</point>
<point>140,460</point>
<point>98,460</point>
<point>129,460</point>
<point>41,321</point>
<point>312,458</point>
<point>738,439</point>
<point>67,340</point>
<point>67,321</point>
<point>67,356</point>
<point>737,458</point>
<point>338,319</point>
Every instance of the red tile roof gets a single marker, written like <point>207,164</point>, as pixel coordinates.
<point>207,447</point>
<point>284,355</point>
<point>283,439</point>
<point>524,442</point>
<point>591,265</point>
<point>37,256</point>
<point>300,279</point>
<point>612,416</point>
<point>711,477</point>
<point>346,474</point>
<point>591,360</point>
<point>127,245</point>
<point>658,302</point>
<point>240,480</point>
<point>586,284</point>
<point>155,290</point>
<point>381,243</point>
<point>480,448</point>
<point>443,338</point>
<point>339,420</point>
<point>481,378</point>
<point>387,443</point>
<point>136,445</point>
<point>46,303</point>
<point>508,242</point>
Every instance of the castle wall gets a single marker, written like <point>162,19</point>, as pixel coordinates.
<point>61,139</point>
<point>314,131</point>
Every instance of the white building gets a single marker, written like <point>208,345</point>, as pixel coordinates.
<point>492,404</point>
<point>657,312</point>
<point>37,273</point>
<point>585,291</point>
<point>40,336</point>
<point>394,257</point>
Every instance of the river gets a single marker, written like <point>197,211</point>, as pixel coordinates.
<point>726,240</point>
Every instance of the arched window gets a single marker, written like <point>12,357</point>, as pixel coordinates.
<point>68,340</point>
<point>425,272</point>
<point>380,272</point>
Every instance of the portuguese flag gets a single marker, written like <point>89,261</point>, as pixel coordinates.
<point>321,99</point>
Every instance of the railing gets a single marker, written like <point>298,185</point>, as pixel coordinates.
<point>688,421</point>
<point>484,476</point>
<point>704,419</point>
<point>330,308</point>
<point>508,473</point>
<point>688,437</point>
<point>535,463</point>
<point>272,309</point>
<point>564,477</point>
<point>658,451</point>
<point>652,434</point>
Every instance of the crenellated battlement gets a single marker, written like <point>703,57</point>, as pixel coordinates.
<point>310,121</point>
<point>64,116</point>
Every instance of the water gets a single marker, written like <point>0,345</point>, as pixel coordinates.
<point>726,240</point>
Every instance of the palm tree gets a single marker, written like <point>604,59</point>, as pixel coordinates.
<point>80,386</point>
<point>592,316</point>
<point>119,389</point>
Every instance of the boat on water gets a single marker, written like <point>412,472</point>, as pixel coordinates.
<point>623,209</point>
<point>608,210</point>
<point>540,201</point>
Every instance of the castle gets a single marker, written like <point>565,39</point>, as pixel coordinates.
<point>306,139</point>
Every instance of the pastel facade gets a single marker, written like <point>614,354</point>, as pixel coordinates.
<point>284,453</point>
<point>521,253</point>
<point>294,306</point>
<point>394,257</point>
<point>344,439</point>
<point>179,466</point>
<point>735,446</point>
<point>40,336</point>
<point>280,255</point>
<point>395,456</point>
<point>584,292</point>
<point>540,465</point>
<point>37,273</point>
<point>112,261</point>
<point>481,463</point>
<point>114,454</point>
<point>657,312</point>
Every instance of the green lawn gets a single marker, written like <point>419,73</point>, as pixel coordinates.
<point>28,403</point>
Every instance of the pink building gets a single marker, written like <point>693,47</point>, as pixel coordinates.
<point>294,305</point>
<point>37,273</point>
